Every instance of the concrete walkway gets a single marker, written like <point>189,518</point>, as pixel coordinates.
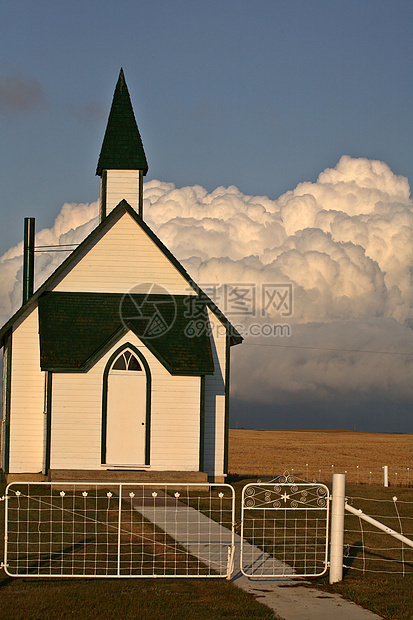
<point>290,598</point>
<point>296,599</point>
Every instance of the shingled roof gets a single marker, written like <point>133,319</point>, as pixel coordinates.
<point>75,328</point>
<point>122,147</point>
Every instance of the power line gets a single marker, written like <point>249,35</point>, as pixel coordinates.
<point>50,251</point>
<point>292,346</point>
<point>64,247</point>
<point>60,245</point>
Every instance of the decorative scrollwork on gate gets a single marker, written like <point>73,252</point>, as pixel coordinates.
<point>286,495</point>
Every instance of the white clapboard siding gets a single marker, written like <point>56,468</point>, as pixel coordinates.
<point>4,384</point>
<point>124,257</point>
<point>122,185</point>
<point>77,416</point>
<point>215,402</point>
<point>27,397</point>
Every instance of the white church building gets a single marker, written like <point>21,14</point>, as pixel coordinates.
<point>117,367</point>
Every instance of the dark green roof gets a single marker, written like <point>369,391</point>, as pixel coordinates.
<point>122,147</point>
<point>76,328</point>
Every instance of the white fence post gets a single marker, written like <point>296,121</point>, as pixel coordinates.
<point>386,475</point>
<point>119,527</point>
<point>337,528</point>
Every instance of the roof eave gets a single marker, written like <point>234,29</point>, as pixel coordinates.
<point>99,169</point>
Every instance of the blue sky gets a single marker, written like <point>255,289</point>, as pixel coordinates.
<point>261,95</point>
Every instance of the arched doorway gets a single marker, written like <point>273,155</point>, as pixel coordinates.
<point>126,409</point>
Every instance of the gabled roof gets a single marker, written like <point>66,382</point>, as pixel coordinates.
<point>122,147</point>
<point>122,207</point>
<point>76,328</point>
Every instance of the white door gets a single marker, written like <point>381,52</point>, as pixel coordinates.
<point>126,411</point>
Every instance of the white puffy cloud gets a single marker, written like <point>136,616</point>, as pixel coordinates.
<point>71,226</point>
<point>345,242</point>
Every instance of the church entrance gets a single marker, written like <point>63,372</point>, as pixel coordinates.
<point>126,411</point>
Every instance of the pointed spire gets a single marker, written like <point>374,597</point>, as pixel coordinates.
<point>122,147</point>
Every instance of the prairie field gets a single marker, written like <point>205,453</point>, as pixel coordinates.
<point>319,454</point>
<point>306,454</point>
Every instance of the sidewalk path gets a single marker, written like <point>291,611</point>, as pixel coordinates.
<point>290,598</point>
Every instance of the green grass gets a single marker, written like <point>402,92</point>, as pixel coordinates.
<point>60,598</point>
<point>389,593</point>
<point>390,596</point>
<point>172,599</point>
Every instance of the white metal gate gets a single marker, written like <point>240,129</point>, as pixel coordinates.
<point>118,530</point>
<point>65,529</point>
<point>284,528</point>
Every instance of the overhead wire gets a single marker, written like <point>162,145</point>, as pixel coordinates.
<point>293,346</point>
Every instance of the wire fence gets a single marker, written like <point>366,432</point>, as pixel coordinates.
<point>68,529</point>
<point>368,549</point>
<point>355,474</point>
<point>118,530</point>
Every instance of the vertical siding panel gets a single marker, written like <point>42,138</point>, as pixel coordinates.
<point>27,397</point>
<point>76,419</point>
<point>215,401</point>
<point>5,427</point>
<point>122,185</point>
<point>77,416</point>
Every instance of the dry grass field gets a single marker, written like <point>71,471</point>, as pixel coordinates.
<point>311,454</point>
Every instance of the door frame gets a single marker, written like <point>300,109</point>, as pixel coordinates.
<point>147,371</point>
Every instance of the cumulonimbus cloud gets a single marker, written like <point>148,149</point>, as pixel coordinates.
<point>345,241</point>
<point>345,245</point>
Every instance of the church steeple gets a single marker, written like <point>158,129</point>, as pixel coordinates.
<point>122,161</point>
